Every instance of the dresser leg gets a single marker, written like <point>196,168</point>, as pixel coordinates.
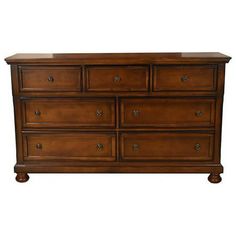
<point>214,178</point>
<point>22,177</point>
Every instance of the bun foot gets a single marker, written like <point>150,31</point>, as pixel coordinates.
<point>22,177</point>
<point>214,178</point>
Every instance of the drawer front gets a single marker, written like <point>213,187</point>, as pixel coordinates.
<point>159,112</point>
<point>117,78</point>
<point>84,147</point>
<point>167,146</point>
<point>45,78</point>
<point>195,78</point>
<point>68,113</point>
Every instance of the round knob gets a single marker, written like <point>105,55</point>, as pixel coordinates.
<point>100,146</point>
<point>197,147</point>
<point>136,113</point>
<point>37,113</point>
<point>99,113</point>
<point>135,147</point>
<point>184,78</point>
<point>117,78</point>
<point>50,79</point>
<point>39,146</point>
<point>198,113</point>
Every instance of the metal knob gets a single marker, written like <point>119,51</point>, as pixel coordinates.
<point>184,78</point>
<point>100,146</point>
<point>50,79</point>
<point>198,113</point>
<point>39,146</point>
<point>135,147</point>
<point>136,113</point>
<point>117,78</point>
<point>197,147</point>
<point>37,113</point>
<point>99,113</point>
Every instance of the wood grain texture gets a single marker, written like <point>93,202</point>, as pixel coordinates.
<point>45,78</point>
<point>116,78</point>
<point>118,58</point>
<point>178,78</point>
<point>118,113</point>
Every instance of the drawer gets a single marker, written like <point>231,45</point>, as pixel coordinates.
<point>117,78</point>
<point>70,146</point>
<point>195,78</point>
<point>50,78</point>
<point>61,113</point>
<point>168,112</point>
<point>167,146</point>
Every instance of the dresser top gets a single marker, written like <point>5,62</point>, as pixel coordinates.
<point>118,58</point>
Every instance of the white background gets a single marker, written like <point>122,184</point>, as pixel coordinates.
<point>76,204</point>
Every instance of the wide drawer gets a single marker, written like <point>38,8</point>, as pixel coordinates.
<point>195,78</point>
<point>167,146</point>
<point>50,78</point>
<point>70,146</point>
<point>66,112</point>
<point>117,78</point>
<point>167,112</point>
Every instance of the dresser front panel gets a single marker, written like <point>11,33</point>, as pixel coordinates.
<point>167,146</point>
<point>167,112</point>
<point>70,146</point>
<point>195,78</point>
<point>65,112</point>
<point>117,78</point>
<point>50,78</point>
<point>118,113</point>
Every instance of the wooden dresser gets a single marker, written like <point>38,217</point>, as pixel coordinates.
<point>118,113</point>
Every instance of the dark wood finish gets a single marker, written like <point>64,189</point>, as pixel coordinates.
<point>174,112</point>
<point>167,146</point>
<point>22,177</point>
<point>170,78</point>
<point>117,78</point>
<point>214,178</point>
<point>70,146</point>
<point>118,58</point>
<point>118,113</point>
<point>68,112</point>
<point>45,78</point>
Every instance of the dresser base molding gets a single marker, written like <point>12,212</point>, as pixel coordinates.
<point>214,169</point>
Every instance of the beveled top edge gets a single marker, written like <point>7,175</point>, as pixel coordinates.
<point>99,58</point>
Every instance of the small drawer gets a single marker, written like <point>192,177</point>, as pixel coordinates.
<point>193,78</point>
<point>50,78</point>
<point>117,78</point>
<point>66,112</point>
<point>70,146</point>
<point>169,112</point>
<point>167,146</point>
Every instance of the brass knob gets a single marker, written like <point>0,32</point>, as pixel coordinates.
<point>39,146</point>
<point>135,147</point>
<point>184,78</point>
<point>197,147</point>
<point>37,113</point>
<point>100,146</point>
<point>117,78</point>
<point>136,113</point>
<point>99,113</point>
<point>50,79</point>
<point>198,113</point>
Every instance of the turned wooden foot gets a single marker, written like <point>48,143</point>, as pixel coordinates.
<point>214,178</point>
<point>22,177</point>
